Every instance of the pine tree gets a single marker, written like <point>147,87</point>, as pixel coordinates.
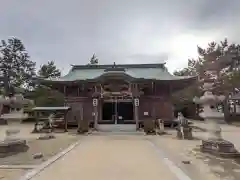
<point>15,64</point>
<point>49,70</point>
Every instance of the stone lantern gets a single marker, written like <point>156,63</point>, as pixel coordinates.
<point>13,142</point>
<point>214,143</point>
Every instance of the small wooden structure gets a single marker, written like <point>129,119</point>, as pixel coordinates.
<point>41,115</point>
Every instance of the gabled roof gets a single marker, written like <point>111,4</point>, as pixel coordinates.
<point>135,71</point>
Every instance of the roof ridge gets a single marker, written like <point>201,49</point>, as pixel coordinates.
<point>105,66</point>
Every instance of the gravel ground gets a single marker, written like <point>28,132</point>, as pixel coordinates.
<point>48,148</point>
<point>202,165</point>
<point>11,174</point>
<point>178,151</point>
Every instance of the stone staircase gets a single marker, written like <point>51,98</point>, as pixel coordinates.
<point>118,129</point>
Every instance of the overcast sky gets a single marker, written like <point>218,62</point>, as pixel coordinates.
<point>124,31</point>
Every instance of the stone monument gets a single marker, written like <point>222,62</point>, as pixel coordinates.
<point>214,143</point>
<point>13,143</point>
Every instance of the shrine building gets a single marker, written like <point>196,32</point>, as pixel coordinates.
<point>120,93</point>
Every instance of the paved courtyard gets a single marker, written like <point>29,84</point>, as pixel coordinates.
<point>112,157</point>
<point>135,156</point>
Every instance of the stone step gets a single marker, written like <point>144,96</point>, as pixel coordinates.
<point>117,127</point>
<point>113,133</point>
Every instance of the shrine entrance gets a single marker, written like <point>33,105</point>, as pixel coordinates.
<point>117,111</point>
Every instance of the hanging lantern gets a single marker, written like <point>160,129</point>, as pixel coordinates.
<point>95,102</point>
<point>136,102</point>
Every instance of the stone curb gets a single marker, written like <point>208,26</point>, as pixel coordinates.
<point>178,172</point>
<point>18,166</point>
<point>29,175</point>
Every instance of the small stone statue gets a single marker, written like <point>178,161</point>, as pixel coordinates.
<point>49,126</point>
<point>160,127</point>
<point>182,120</point>
<point>51,121</point>
<point>46,125</point>
<point>184,131</point>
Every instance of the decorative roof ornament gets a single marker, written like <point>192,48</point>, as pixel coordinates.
<point>114,68</point>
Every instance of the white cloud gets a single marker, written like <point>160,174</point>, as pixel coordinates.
<point>69,32</point>
<point>184,47</point>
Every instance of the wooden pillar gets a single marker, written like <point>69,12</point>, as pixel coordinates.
<point>95,110</point>
<point>169,99</point>
<point>1,108</point>
<point>234,106</point>
<point>80,119</point>
<point>116,111</point>
<point>136,117</point>
<point>95,118</point>
<point>226,110</point>
<point>65,121</point>
<point>153,88</point>
<point>81,115</point>
<point>78,93</point>
<point>100,111</point>
<point>36,121</point>
<point>153,112</point>
<point>64,90</point>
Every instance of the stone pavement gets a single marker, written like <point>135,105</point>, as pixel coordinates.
<point>113,157</point>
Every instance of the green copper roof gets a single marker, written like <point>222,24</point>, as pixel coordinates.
<point>137,71</point>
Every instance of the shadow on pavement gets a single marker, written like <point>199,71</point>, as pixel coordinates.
<point>223,168</point>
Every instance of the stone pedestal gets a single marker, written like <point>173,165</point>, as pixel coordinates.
<point>184,133</point>
<point>10,147</point>
<point>220,148</point>
<point>12,144</point>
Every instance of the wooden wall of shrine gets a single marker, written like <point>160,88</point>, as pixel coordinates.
<point>154,99</point>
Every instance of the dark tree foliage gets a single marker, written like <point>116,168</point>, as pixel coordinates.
<point>45,96</point>
<point>15,64</point>
<point>225,60</point>
<point>49,70</point>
